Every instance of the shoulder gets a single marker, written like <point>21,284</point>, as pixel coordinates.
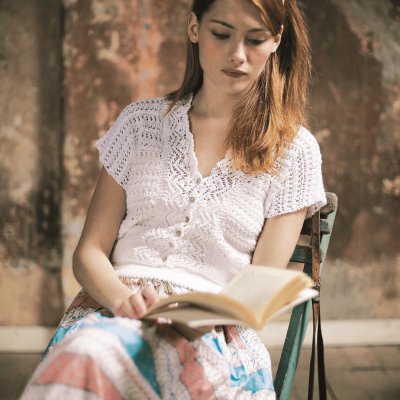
<point>140,116</point>
<point>299,183</point>
<point>155,106</point>
<point>302,157</point>
<point>304,146</point>
<point>306,140</point>
<point>152,111</point>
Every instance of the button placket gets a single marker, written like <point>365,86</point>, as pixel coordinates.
<point>193,201</point>
<point>197,178</point>
<point>177,232</point>
<point>170,245</point>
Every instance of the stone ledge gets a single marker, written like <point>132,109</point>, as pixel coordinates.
<point>336,333</point>
<point>340,333</point>
<point>25,339</point>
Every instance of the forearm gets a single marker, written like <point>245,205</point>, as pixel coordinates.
<point>95,273</point>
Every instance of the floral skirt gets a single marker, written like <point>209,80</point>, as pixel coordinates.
<point>96,356</point>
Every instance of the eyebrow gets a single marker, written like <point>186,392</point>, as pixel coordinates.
<point>217,21</point>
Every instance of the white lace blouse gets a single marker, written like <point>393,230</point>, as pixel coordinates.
<point>180,227</point>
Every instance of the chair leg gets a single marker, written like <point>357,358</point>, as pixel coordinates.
<point>291,350</point>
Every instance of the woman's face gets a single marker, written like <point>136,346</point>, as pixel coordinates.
<point>234,44</point>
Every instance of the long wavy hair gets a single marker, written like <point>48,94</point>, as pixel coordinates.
<point>268,117</point>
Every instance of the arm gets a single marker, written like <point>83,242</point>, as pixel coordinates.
<point>91,264</point>
<point>278,239</point>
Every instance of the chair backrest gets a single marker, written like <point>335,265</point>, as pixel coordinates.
<point>300,314</point>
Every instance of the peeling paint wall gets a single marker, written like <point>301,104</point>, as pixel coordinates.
<point>30,170</point>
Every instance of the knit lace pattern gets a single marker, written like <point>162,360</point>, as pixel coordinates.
<point>184,228</point>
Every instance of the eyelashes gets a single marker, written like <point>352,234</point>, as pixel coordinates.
<point>256,42</point>
<point>220,36</point>
<point>224,37</point>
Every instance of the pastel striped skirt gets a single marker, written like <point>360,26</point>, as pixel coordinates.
<point>96,356</point>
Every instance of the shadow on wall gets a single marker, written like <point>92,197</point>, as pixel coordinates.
<point>30,163</point>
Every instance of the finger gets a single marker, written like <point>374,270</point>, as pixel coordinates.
<point>138,303</point>
<point>150,296</point>
<point>126,309</point>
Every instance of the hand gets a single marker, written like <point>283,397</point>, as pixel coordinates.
<point>135,306</point>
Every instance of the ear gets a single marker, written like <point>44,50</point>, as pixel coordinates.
<point>277,42</point>
<point>193,28</point>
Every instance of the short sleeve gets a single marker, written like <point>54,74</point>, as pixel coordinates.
<point>116,147</point>
<point>300,182</point>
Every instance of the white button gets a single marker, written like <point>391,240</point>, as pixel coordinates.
<point>191,199</point>
<point>171,245</point>
<point>165,259</point>
<point>178,233</point>
<point>186,219</point>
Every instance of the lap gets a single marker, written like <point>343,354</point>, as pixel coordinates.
<point>136,360</point>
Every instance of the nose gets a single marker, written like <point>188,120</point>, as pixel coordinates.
<point>239,52</point>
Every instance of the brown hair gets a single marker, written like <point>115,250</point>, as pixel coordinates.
<point>267,119</point>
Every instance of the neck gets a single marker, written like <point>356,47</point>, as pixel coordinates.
<point>210,102</point>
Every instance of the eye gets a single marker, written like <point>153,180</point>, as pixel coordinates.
<point>220,36</point>
<point>256,42</point>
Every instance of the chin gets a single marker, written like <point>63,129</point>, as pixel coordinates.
<point>229,86</point>
<point>236,89</point>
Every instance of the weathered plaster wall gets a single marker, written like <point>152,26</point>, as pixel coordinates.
<point>355,114</point>
<point>30,173</point>
<point>115,52</point>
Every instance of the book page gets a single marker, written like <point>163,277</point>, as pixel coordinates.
<point>219,304</point>
<point>252,296</point>
<point>195,317</point>
<point>254,286</point>
<point>303,296</point>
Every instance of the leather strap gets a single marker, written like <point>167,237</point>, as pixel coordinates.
<point>316,261</point>
<point>321,362</point>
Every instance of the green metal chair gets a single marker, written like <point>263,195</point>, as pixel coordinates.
<point>300,314</point>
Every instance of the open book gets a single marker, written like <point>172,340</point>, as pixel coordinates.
<point>252,298</point>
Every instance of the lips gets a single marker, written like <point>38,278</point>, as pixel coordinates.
<point>234,73</point>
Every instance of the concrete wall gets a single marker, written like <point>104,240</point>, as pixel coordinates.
<point>30,162</point>
<point>119,51</point>
<point>355,113</point>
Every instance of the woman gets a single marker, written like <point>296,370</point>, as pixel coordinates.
<point>195,186</point>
